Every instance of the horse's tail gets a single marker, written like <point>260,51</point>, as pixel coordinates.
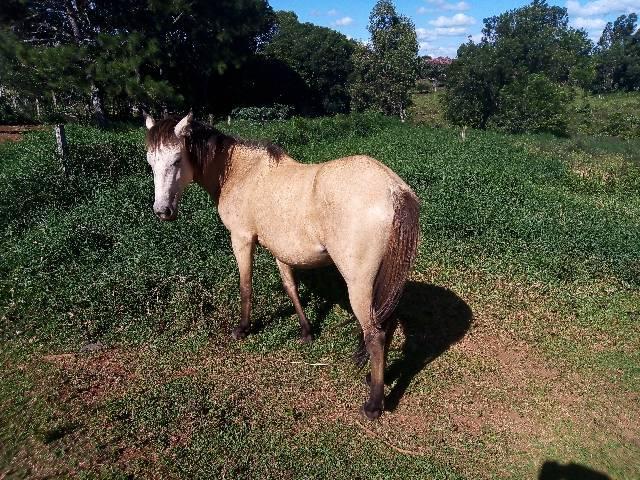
<point>395,265</point>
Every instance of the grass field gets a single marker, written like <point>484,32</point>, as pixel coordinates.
<point>519,356</point>
<point>609,115</point>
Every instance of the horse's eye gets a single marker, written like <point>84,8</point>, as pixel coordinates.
<point>176,163</point>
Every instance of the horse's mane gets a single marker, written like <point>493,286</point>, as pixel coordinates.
<point>204,141</point>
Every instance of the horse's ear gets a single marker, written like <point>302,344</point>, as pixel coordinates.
<point>149,122</point>
<point>183,128</point>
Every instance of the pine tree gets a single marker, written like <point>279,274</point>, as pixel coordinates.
<point>117,54</point>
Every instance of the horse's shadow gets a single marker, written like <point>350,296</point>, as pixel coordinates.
<point>551,470</point>
<point>432,318</point>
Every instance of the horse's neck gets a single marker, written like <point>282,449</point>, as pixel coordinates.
<point>213,170</point>
<point>229,163</point>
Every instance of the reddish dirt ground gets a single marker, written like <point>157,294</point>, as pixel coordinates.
<point>13,133</point>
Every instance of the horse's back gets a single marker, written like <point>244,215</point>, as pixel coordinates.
<point>283,213</point>
<point>358,185</point>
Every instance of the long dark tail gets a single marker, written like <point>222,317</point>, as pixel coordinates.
<point>395,266</point>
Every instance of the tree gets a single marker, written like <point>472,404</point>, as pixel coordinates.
<point>533,103</point>
<point>154,53</point>
<point>386,69</point>
<point>473,85</point>
<point>319,55</point>
<point>537,38</point>
<point>618,55</point>
<point>532,40</point>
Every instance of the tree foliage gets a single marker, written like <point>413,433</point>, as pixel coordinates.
<point>473,86</point>
<point>152,53</point>
<point>386,70</point>
<point>319,55</point>
<point>618,55</point>
<point>532,103</point>
<point>537,38</point>
<point>521,51</point>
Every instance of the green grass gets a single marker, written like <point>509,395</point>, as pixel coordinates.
<point>614,114</point>
<point>597,119</point>
<point>427,109</point>
<point>535,237</point>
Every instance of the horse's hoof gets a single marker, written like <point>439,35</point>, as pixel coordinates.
<point>372,411</point>
<point>304,339</point>
<point>239,333</point>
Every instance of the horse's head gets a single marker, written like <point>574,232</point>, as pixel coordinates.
<point>172,170</point>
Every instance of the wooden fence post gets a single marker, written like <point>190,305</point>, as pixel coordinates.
<point>61,141</point>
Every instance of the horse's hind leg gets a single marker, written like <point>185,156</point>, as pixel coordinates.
<point>360,297</point>
<point>390,329</point>
<point>290,286</point>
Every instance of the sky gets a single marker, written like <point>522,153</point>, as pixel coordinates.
<point>442,25</point>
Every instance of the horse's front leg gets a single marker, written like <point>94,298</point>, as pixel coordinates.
<point>243,249</point>
<point>291,287</point>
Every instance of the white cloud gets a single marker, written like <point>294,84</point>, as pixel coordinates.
<point>458,20</point>
<point>422,10</point>
<point>427,48</point>
<point>433,34</point>
<point>425,34</point>
<point>344,21</point>
<point>444,5</point>
<point>602,7</point>
<point>476,37</point>
<point>332,13</point>
<point>589,23</point>
<point>451,31</point>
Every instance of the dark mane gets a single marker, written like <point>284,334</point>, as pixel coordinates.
<point>204,140</point>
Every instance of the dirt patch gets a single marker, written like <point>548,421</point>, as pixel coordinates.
<point>13,133</point>
<point>92,376</point>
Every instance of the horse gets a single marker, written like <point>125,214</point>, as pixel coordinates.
<point>353,212</point>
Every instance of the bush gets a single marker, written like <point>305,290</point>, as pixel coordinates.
<point>532,104</point>
<point>276,111</point>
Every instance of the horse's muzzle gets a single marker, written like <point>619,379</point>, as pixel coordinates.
<point>166,213</point>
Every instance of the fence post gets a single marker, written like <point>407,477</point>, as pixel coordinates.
<point>61,142</point>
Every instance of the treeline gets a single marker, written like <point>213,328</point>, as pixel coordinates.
<point>105,59</point>
<point>530,64</point>
<point>110,59</point>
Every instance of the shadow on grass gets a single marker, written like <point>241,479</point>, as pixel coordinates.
<point>570,471</point>
<point>432,319</point>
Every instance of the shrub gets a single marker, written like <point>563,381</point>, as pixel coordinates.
<point>532,104</point>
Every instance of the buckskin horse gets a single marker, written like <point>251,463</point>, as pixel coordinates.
<point>353,212</point>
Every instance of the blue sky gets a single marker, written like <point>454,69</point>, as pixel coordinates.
<point>442,25</point>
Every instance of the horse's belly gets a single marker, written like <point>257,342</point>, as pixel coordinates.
<point>296,253</point>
